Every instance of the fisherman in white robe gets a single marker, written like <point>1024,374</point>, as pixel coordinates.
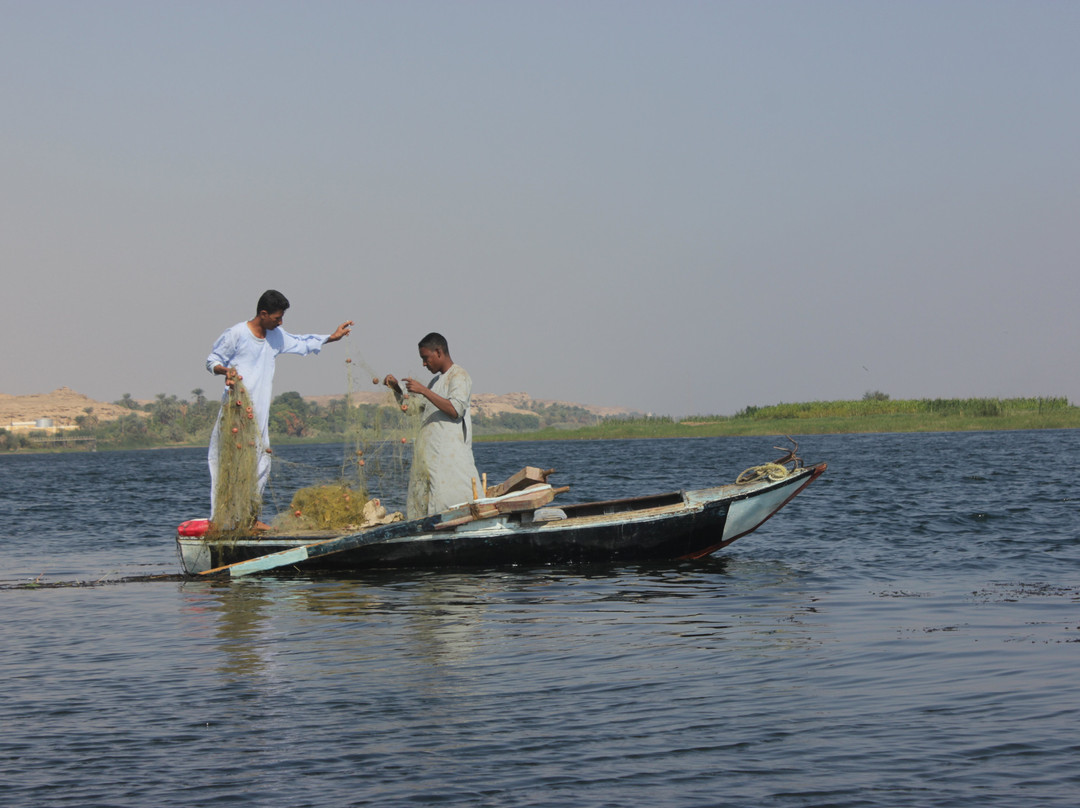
<point>247,351</point>
<point>443,470</point>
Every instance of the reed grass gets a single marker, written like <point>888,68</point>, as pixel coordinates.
<point>837,417</point>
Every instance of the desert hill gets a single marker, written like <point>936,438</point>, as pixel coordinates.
<point>62,405</point>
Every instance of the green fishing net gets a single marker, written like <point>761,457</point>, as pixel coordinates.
<point>332,507</point>
<point>379,454</point>
<point>236,496</point>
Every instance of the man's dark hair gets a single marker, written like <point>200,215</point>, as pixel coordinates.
<point>271,301</point>
<point>435,341</point>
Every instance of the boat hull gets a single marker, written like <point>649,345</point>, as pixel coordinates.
<point>679,525</point>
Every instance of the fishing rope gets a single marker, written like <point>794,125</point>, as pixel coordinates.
<point>770,471</point>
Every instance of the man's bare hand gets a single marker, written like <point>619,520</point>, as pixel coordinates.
<point>342,331</point>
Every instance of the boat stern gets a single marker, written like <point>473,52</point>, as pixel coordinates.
<point>194,554</point>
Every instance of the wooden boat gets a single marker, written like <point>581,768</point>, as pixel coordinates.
<point>519,526</point>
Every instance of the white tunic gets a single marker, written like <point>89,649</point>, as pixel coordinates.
<point>253,359</point>
<point>443,468</point>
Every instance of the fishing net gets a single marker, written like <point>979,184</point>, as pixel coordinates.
<point>377,458</point>
<point>236,496</point>
<point>379,455</point>
<point>332,507</point>
<point>379,441</point>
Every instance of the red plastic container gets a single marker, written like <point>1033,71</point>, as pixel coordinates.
<point>194,527</point>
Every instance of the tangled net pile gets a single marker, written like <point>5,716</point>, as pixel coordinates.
<point>332,507</point>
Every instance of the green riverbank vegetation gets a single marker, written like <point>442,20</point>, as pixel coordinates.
<point>169,421</point>
<point>874,413</point>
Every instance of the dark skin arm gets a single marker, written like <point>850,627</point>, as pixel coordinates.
<point>342,331</point>
<point>230,374</point>
<point>413,386</point>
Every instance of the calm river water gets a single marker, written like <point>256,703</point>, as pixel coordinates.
<point>905,633</point>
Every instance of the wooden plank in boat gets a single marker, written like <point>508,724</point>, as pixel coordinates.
<point>530,502</point>
<point>530,475</point>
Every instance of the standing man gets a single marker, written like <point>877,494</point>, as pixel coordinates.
<point>443,469</point>
<point>247,351</point>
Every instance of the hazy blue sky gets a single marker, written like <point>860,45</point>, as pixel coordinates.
<point>679,207</point>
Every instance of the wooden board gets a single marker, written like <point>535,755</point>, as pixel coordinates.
<point>530,475</point>
<point>528,501</point>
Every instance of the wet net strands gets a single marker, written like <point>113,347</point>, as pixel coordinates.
<point>380,453</point>
<point>236,497</point>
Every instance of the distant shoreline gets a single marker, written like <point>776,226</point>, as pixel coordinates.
<point>637,431</point>
<point>876,415</point>
<point>794,426</point>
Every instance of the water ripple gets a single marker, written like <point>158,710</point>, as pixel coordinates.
<point>903,633</point>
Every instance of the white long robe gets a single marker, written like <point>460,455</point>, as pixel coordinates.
<point>443,468</point>
<point>253,359</point>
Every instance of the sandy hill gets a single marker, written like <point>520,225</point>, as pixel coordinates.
<point>62,405</point>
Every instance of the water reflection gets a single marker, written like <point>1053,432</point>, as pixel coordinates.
<point>431,621</point>
<point>233,614</point>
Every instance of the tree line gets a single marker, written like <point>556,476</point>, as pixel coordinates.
<point>171,421</point>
